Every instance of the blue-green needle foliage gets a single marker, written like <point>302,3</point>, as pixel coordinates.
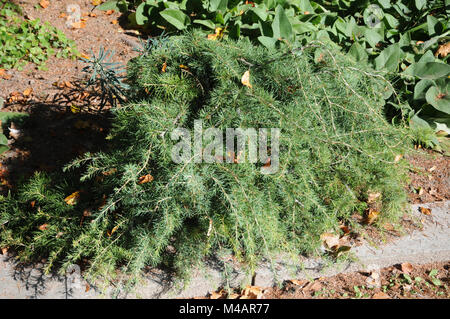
<point>335,148</point>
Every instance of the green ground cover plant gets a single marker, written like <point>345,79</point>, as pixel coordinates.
<point>402,37</point>
<point>132,206</point>
<point>23,41</point>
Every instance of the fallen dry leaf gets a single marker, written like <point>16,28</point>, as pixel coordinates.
<point>300,283</point>
<point>73,198</point>
<point>313,286</point>
<point>398,158</point>
<point>27,92</point>
<point>79,25</point>
<point>372,216</point>
<point>252,292</point>
<point>62,15</point>
<point>443,50</point>
<point>406,267</point>
<point>380,295</point>
<point>4,250</point>
<point>218,294</point>
<point>44,3</point>
<point>432,169</point>
<point>43,227</point>
<point>4,75</point>
<point>109,12</point>
<point>163,69</point>
<point>114,22</point>
<point>372,197</point>
<point>145,179</point>
<point>330,240</point>
<point>245,80</point>
<point>425,211</point>
<point>218,34</point>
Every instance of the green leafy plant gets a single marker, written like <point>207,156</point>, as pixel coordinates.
<point>399,37</point>
<point>23,41</point>
<point>133,206</point>
<point>107,76</point>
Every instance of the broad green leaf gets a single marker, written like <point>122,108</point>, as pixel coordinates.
<point>439,99</point>
<point>389,58</point>
<point>372,37</point>
<point>175,17</point>
<point>358,52</point>
<point>206,23</point>
<point>261,12</point>
<point>267,41</point>
<point>421,89</point>
<point>215,5</point>
<point>430,70</point>
<point>420,4</point>
<point>141,18</point>
<point>109,5</point>
<point>281,26</point>
<point>432,24</point>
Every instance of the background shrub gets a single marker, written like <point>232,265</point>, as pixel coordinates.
<point>406,38</point>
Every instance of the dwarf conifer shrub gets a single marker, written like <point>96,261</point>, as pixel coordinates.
<point>133,206</point>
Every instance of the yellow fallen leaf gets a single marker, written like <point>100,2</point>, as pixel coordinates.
<point>218,34</point>
<point>96,2</point>
<point>75,109</point>
<point>163,69</point>
<point>73,198</point>
<point>372,216</point>
<point>245,80</point>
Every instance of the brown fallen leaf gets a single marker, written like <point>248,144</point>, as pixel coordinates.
<point>425,211</point>
<point>79,25</point>
<point>373,196</point>
<point>27,92</point>
<point>330,240</point>
<point>44,3</point>
<point>145,179</point>
<point>381,295</point>
<point>252,292</point>
<point>62,15</point>
<point>163,69</point>
<point>313,286</point>
<point>372,216</point>
<point>4,75</point>
<point>245,80</point>
<point>43,227</point>
<point>73,198</point>
<point>109,12</point>
<point>88,287</point>
<point>114,22</point>
<point>4,250</point>
<point>218,294</point>
<point>443,50</point>
<point>406,267</point>
<point>300,283</point>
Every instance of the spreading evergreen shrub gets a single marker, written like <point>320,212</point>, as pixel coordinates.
<point>335,148</point>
